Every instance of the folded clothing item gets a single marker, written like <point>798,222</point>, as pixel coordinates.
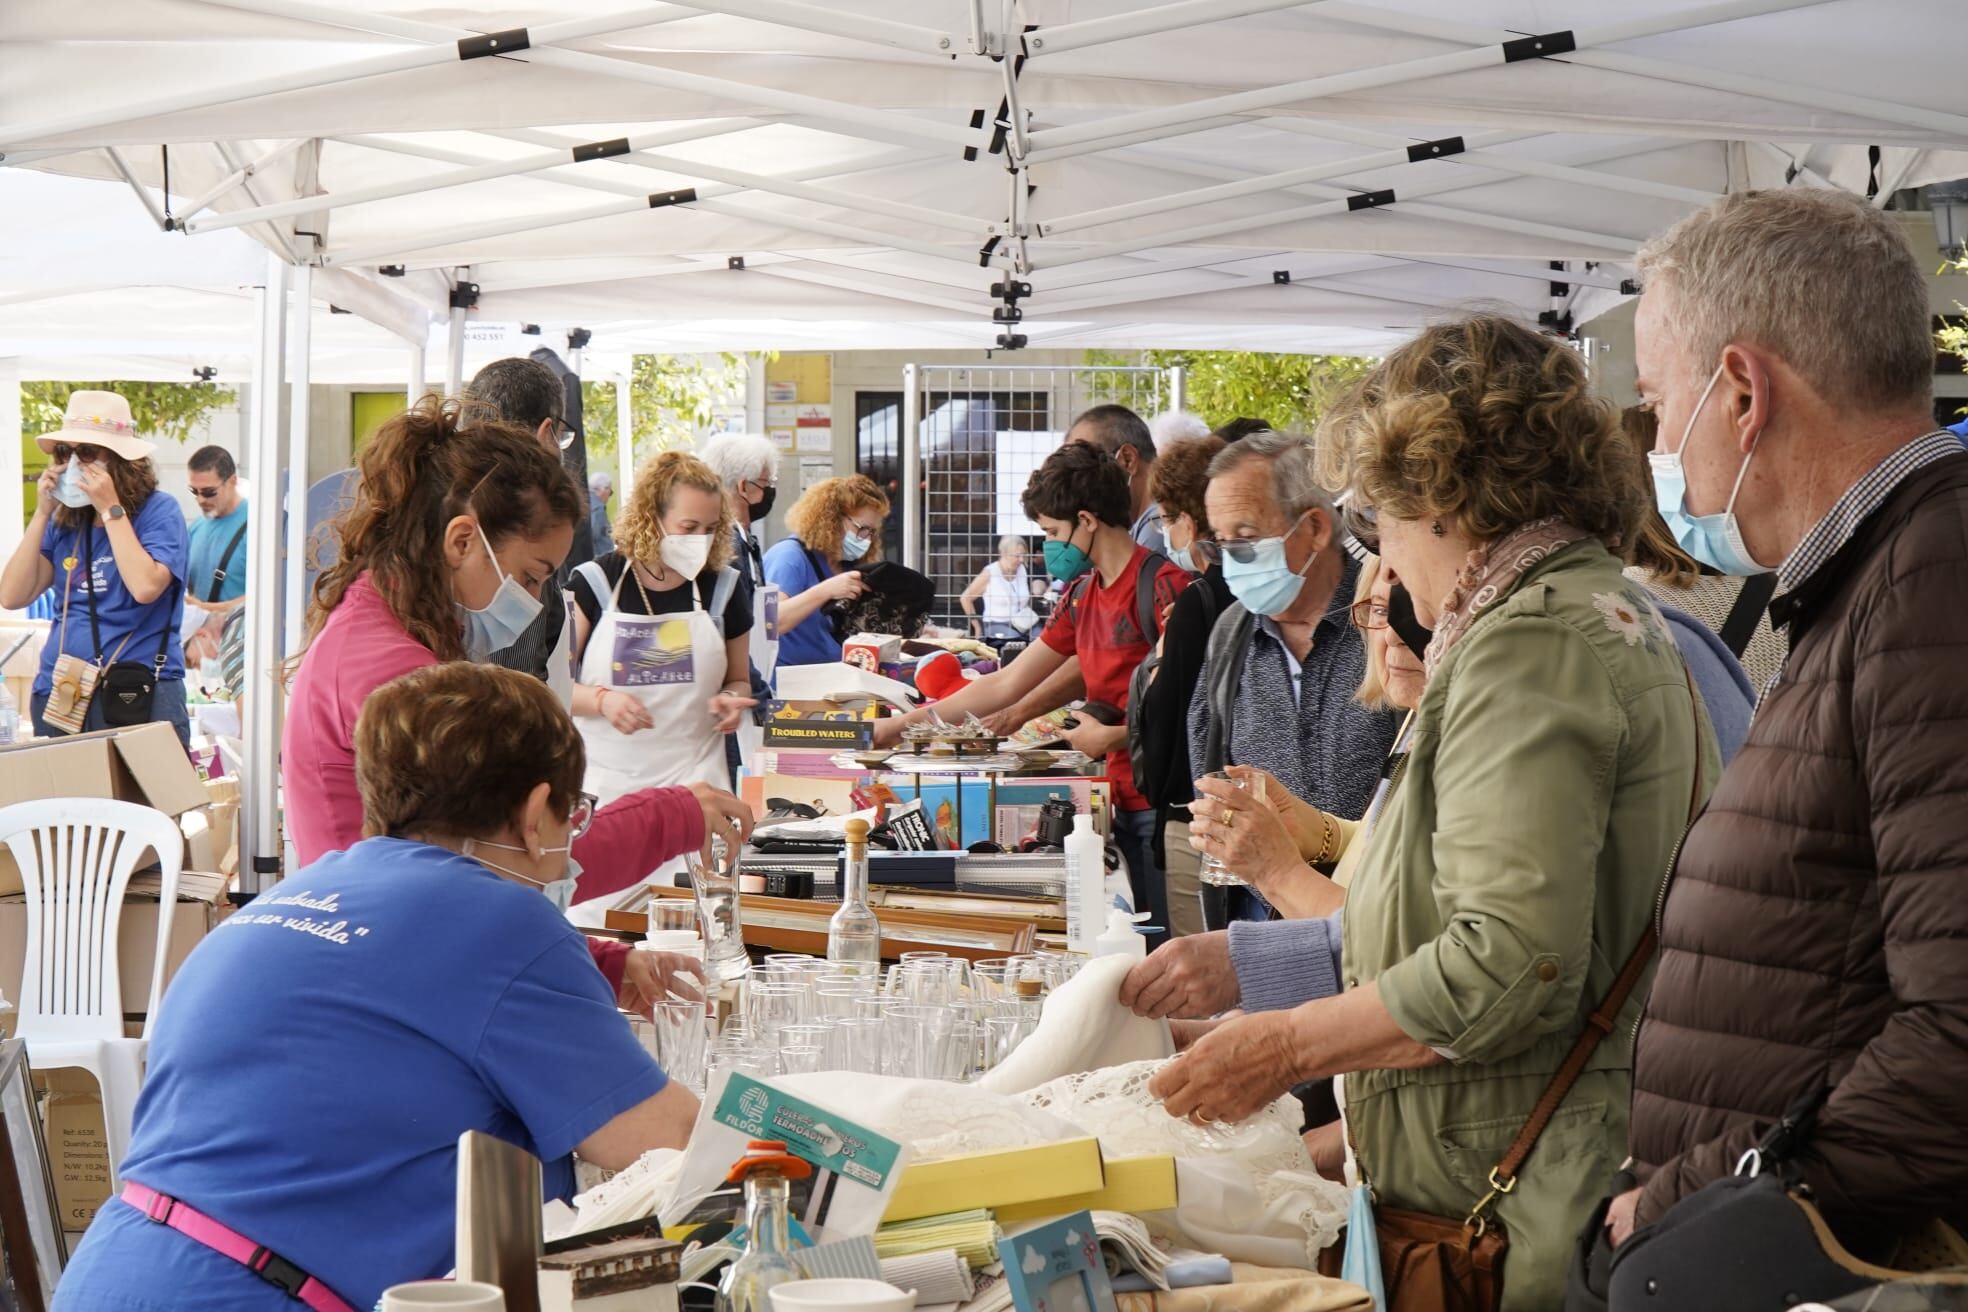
<point>938,1277</point>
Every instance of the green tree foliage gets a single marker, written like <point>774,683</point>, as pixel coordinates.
<point>1290,391</point>
<point>161,411</point>
<point>673,396</point>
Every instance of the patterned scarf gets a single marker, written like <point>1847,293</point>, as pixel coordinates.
<point>1490,573</point>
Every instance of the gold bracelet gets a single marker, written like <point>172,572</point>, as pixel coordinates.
<point>1328,839</point>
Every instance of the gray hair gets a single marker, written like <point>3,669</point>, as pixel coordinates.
<point>737,457</point>
<point>1818,277</point>
<point>1176,426</point>
<point>1294,470</point>
<point>599,480</point>
<point>1010,540</point>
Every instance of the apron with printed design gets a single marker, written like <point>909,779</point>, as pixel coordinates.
<point>673,664</point>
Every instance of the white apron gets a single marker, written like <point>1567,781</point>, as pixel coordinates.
<point>673,664</point>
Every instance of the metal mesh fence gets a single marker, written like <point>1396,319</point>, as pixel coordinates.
<point>984,429</point>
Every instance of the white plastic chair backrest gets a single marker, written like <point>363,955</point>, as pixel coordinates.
<point>76,856</point>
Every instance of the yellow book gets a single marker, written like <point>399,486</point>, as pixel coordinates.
<point>1134,1184</point>
<point>997,1179</point>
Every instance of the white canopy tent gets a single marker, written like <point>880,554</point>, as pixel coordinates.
<point>1312,175</point>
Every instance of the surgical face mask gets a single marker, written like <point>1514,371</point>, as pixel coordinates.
<point>560,891</point>
<point>686,553</point>
<point>854,546</point>
<point>1714,540</point>
<point>1406,625</point>
<point>510,612</point>
<point>69,491</point>
<point>1065,561</point>
<point>1259,575</point>
<point>1195,557</point>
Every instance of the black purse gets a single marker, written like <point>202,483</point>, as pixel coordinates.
<point>1753,1242</point>
<point>127,690</point>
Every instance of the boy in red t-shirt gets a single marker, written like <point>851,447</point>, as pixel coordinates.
<point>1079,496</point>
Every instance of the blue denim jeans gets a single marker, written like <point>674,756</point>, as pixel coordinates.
<point>1134,834</point>
<point>168,705</point>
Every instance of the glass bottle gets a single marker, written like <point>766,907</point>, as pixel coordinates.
<point>854,935</point>
<point>766,1263</point>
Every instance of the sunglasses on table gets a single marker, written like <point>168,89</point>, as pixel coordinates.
<point>63,453</point>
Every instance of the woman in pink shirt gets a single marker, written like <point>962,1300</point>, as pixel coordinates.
<point>454,533</point>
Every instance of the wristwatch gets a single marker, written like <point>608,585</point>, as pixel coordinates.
<point>117,512</point>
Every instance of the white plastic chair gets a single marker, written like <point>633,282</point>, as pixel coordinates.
<point>76,855</point>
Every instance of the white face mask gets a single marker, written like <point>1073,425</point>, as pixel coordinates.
<point>510,613</point>
<point>69,491</point>
<point>686,553</point>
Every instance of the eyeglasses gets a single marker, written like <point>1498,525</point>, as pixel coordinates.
<point>563,435</point>
<point>207,493</point>
<point>865,530</point>
<point>1363,522</point>
<point>1244,550</point>
<point>581,818</point>
<point>1369,614</point>
<point>86,453</point>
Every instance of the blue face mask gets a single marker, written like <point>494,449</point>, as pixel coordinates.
<point>510,613</point>
<point>1065,561</point>
<point>560,891</point>
<point>854,546</point>
<point>1259,575</point>
<point>1714,540</point>
<point>69,491</point>
<point>1196,557</point>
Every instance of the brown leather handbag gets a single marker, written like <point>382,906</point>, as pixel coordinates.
<point>1435,1263</point>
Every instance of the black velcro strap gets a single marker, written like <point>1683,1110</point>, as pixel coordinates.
<point>976,122</point>
<point>984,254</point>
<point>1438,149</point>
<point>659,199</point>
<point>999,126</point>
<point>508,42</point>
<point>601,150</point>
<point>1370,200</point>
<point>1539,47</point>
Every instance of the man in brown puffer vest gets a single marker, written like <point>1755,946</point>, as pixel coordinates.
<point>1814,933</point>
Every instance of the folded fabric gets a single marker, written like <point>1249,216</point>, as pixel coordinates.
<point>1083,1027</point>
<point>938,1277</point>
<point>1187,1273</point>
<point>1255,1289</point>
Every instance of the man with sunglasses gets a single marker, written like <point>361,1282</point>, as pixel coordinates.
<point>216,580</point>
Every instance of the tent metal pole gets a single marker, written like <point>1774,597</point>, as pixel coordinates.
<point>414,391</point>
<point>913,510</point>
<point>260,701</point>
<point>1147,22</point>
<point>454,353</point>
<point>839,282</point>
<point>143,194</point>
<point>1045,155</point>
<point>625,434</point>
<point>204,202</point>
<point>1178,385</point>
<point>274,236</point>
<point>300,348</point>
<point>835,22</point>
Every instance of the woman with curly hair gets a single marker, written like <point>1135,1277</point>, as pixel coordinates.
<point>1555,751</point>
<point>662,629</point>
<point>834,527</point>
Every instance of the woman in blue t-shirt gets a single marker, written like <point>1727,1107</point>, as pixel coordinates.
<point>320,1053</point>
<point>836,528</point>
<point>114,551</point>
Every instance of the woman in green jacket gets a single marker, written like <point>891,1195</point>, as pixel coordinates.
<point>1518,862</point>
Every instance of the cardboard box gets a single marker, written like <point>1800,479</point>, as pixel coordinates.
<point>997,1179</point>
<point>818,724</point>
<point>144,764</point>
<point>1134,1184</point>
<point>201,901</point>
<point>78,1146</point>
<point>871,651</point>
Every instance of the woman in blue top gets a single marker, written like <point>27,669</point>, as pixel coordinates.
<point>320,1053</point>
<point>114,551</point>
<point>835,527</point>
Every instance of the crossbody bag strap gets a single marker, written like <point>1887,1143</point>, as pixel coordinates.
<point>1503,1178</point>
<point>1753,599</point>
<point>89,589</point>
<point>219,574</point>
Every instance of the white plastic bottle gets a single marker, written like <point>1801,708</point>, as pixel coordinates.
<point>1121,938</point>
<point>1086,884</point>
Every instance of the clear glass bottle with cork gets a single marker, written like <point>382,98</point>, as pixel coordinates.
<point>854,935</point>
<point>766,1263</point>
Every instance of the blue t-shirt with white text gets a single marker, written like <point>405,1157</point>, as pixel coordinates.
<point>130,629</point>
<point>318,1056</point>
<point>791,568</point>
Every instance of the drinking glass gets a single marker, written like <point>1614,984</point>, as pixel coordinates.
<point>720,913</point>
<point>672,915</point>
<point>771,1007</point>
<point>1003,1034</point>
<point>964,1059</point>
<point>861,1045</point>
<point>990,978</point>
<point>681,1039</point>
<point>801,1060</point>
<point>916,1040</point>
<point>1213,871</point>
<point>835,1004</point>
<point>806,1036</point>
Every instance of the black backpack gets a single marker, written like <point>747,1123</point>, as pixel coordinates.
<point>1144,675</point>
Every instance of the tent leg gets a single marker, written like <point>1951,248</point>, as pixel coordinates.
<point>912,472</point>
<point>1178,386</point>
<point>260,700</point>
<point>300,349</point>
<point>414,391</point>
<point>13,472</point>
<point>454,349</point>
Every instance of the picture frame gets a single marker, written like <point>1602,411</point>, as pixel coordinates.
<point>33,1246</point>
<point>1057,1267</point>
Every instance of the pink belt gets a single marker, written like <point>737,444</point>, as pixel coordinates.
<point>262,1262</point>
